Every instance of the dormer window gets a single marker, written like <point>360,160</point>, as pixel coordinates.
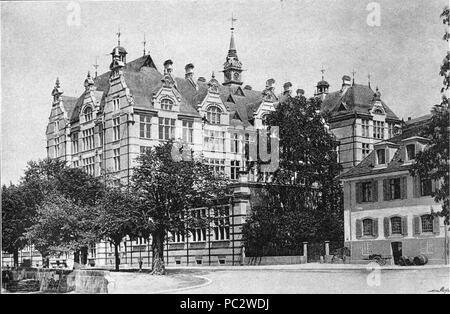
<point>166,104</point>
<point>88,114</point>
<point>411,151</point>
<point>381,156</point>
<point>213,114</point>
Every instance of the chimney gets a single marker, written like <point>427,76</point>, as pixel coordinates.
<point>189,68</point>
<point>287,88</point>
<point>168,66</point>
<point>409,118</point>
<point>346,83</point>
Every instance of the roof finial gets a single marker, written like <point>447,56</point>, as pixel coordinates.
<point>323,71</point>
<point>57,82</point>
<point>368,76</point>
<point>118,36</point>
<point>95,65</point>
<point>144,42</point>
<point>232,21</point>
<point>353,73</point>
<point>212,74</point>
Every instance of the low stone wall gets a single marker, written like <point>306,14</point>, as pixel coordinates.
<point>275,260</point>
<point>57,280</point>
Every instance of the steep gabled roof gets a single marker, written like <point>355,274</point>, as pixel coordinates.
<point>69,104</point>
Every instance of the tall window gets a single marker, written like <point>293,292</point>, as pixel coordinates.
<point>394,189</point>
<point>76,163</point>
<point>166,104</point>
<point>166,128</point>
<point>89,165</point>
<point>366,191</point>
<point>427,223</point>
<point>390,130</point>
<point>75,143</point>
<point>116,159</point>
<point>199,233</point>
<point>116,129</point>
<point>143,149</point>
<point>396,225</point>
<point>411,151</point>
<point>116,104</point>
<point>188,131</point>
<point>365,128</point>
<point>425,187</point>
<point>88,139</point>
<point>145,126</point>
<point>365,149</point>
<point>381,156</point>
<point>215,141</point>
<point>235,166</point>
<point>235,143</point>
<point>88,114</point>
<point>368,227</point>
<point>213,114</point>
<point>56,146</point>
<point>222,223</point>
<point>378,129</point>
<point>216,165</point>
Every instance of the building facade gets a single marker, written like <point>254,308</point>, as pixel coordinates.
<point>388,211</point>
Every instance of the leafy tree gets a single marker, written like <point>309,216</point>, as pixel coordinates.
<point>15,219</point>
<point>303,202</point>
<point>433,162</point>
<point>167,189</point>
<point>116,218</point>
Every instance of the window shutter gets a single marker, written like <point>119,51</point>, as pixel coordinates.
<point>416,225</point>
<point>416,186</point>
<point>374,191</point>
<point>386,227</point>
<point>385,190</point>
<point>358,228</point>
<point>436,225</point>
<point>404,187</point>
<point>405,225</point>
<point>358,192</point>
<point>375,227</point>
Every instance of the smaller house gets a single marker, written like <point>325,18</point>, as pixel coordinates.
<point>386,210</point>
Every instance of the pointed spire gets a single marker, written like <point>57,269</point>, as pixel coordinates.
<point>57,91</point>
<point>118,36</point>
<point>353,74</point>
<point>88,82</point>
<point>144,43</point>
<point>95,65</point>
<point>57,82</point>
<point>368,77</point>
<point>232,43</point>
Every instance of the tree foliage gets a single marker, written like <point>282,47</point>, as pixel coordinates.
<point>433,162</point>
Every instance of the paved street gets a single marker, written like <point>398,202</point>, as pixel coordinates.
<point>285,280</point>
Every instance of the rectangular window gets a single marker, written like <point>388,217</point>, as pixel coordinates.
<point>381,156</point>
<point>56,147</point>
<point>215,141</point>
<point>145,126</point>
<point>425,187</point>
<point>396,225</point>
<point>116,104</point>
<point>89,165</point>
<point>365,128</point>
<point>199,233</point>
<point>367,248</point>
<point>411,151</point>
<point>365,150</point>
<point>100,162</point>
<point>221,223</point>
<point>188,131</point>
<point>216,165</point>
<point>235,167</point>
<point>88,139</point>
<point>76,163</point>
<point>427,223</point>
<point>390,130</point>
<point>368,227</point>
<point>394,189</point>
<point>366,191</point>
<point>116,129</point>
<point>166,128</point>
<point>234,143</point>
<point>116,159</point>
<point>143,149</point>
<point>378,129</point>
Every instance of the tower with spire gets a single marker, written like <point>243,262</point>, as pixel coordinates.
<point>322,86</point>
<point>232,68</point>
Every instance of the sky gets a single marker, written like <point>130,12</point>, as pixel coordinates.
<point>398,42</point>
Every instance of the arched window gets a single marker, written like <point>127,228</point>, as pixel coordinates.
<point>368,227</point>
<point>427,223</point>
<point>213,114</point>
<point>264,119</point>
<point>166,104</point>
<point>396,225</point>
<point>88,115</point>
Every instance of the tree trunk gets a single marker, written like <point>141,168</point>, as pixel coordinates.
<point>158,267</point>
<point>116,255</point>
<point>16,257</point>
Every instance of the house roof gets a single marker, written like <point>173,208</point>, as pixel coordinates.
<point>366,166</point>
<point>69,104</point>
<point>143,80</point>
<point>356,99</point>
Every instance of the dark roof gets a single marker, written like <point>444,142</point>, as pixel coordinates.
<point>366,166</point>
<point>357,98</point>
<point>69,104</point>
<point>143,80</point>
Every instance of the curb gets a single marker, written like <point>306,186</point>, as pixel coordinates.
<point>207,283</point>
